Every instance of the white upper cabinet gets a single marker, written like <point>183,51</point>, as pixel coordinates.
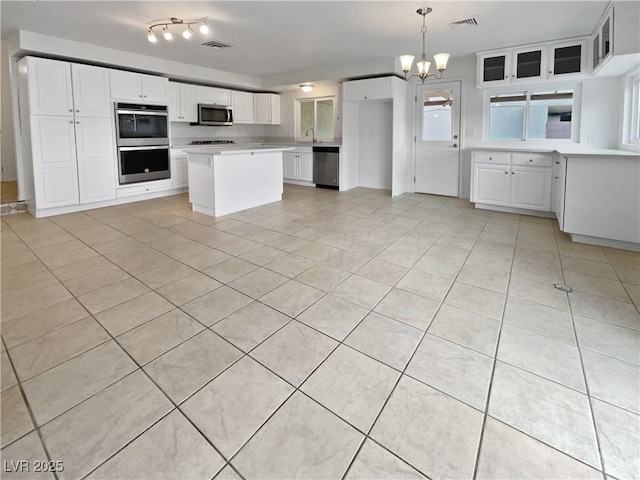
<point>531,63</point>
<point>154,89</point>
<point>138,87</point>
<point>183,103</point>
<point>368,89</point>
<point>50,90</point>
<point>242,103</point>
<point>91,96</point>
<point>214,96</point>
<point>528,63</point>
<point>602,40</point>
<point>567,58</point>
<point>266,108</point>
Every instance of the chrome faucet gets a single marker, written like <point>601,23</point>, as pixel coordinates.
<point>313,134</point>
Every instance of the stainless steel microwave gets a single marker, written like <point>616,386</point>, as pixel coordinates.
<point>215,114</point>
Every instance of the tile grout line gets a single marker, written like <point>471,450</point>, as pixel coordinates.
<point>485,414</point>
<point>587,390</point>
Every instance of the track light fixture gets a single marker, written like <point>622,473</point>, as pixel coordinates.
<point>173,21</point>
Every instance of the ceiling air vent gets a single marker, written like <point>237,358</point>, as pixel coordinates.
<point>216,44</point>
<point>472,22</point>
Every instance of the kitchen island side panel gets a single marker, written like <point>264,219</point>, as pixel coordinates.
<point>228,182</point>
<point>602,197</point>
<point>246,180</point>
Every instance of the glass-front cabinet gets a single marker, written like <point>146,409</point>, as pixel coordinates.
<point>528,63</point>
<point>602,40</point>
<point>532,63</point>
<point>494,69</point>
<point>567,58</point>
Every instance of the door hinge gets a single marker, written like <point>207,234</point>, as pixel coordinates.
<point>414,179</point>
<point>415,98</point>
<point>414,139</point>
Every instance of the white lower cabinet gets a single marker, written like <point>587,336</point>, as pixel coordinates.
<point>490,184</point>
<point>306,167</point>
<point>179,169</point>
<point>97,163</point>
<point>74,161</point>
<point>291,164</point>
<point>531,188</point>
<point>55,168</point>
<point>518,180</point>
<point>298,165</point>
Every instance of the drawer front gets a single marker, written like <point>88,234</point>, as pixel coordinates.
<point>537,159</point>
<point>491,157</point>
<point>144,187</point>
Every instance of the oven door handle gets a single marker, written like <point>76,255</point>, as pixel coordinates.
<point>141,112</point>
<point>156,147</point>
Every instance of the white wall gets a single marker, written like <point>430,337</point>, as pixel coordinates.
<point>376,141</point>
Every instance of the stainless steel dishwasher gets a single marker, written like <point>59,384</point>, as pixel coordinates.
<point>325,167</point>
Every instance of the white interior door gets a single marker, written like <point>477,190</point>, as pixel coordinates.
<point>437,164</point>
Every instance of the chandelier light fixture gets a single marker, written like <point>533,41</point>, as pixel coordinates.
<point>175,21</point>
<point>423,66</point>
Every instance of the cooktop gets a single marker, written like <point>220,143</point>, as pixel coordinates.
<point>212,142</point>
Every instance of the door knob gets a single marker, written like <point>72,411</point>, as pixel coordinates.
<point>455,145</point>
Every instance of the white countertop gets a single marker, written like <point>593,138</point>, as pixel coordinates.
<point>569,150</point>
<point>232,149</point>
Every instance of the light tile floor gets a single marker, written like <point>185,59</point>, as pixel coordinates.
<point>330,335</point>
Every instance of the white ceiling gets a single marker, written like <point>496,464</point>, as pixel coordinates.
<point>272,38</point>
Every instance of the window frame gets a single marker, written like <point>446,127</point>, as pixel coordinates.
<point>632,109</point>
<point>529,91</point>
<point>298,119</point>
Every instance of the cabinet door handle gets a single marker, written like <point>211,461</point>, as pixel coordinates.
<point>513,173</point>
<point>557,162</point>
<point>71,122</point>
<point>71,109</point>
<point>77,111</point>
<point>506,173</point>
<point>531,159</point>
<point>557,178</point>
<point>77,123</point>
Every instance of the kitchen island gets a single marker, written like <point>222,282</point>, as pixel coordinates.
<point>227,179</point>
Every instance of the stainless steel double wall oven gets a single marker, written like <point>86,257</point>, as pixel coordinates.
<point>143,142</point>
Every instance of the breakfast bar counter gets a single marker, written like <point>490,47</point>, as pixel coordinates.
<point>228,179</point>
